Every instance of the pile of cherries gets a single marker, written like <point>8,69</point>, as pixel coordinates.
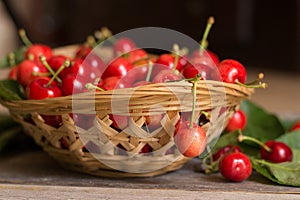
<point>234,164</point>
<point>44,74</point>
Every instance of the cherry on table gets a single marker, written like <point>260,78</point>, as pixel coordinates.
<point>237,122</point>
<point>278,152</point>
<point>235,166</point>
<point>225,150</point>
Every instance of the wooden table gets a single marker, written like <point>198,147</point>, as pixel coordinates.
<point>34,175</point>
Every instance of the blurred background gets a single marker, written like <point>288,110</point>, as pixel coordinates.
<point>263,34</point>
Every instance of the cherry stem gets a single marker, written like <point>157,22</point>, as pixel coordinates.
<point>150,67</point>
<point>259,85</point>
<point>55,76</point>
<point>90,41</point>
<point>90,86</point>
<point>45,63</point>
<point>11,59</point>
<point>40,74</point>
<point>24,38</point>
<point>176,52</point>
<point>259,78</point>
<point>196,79</point>
<point>203,42</point>
<point>103,34</point>
<point>242,137</point>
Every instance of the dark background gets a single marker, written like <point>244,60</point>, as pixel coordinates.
<point>262,34</point>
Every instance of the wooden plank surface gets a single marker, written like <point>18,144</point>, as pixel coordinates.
<point>36,168</point>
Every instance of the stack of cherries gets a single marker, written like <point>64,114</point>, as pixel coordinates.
<point>44,74</point>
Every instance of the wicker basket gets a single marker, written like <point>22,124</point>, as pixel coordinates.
<point>106,159</point>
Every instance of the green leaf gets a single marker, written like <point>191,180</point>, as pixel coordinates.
<point>292,139</point>
<point>261,124</point>
<point>10,90</point>
<point>286,173</point>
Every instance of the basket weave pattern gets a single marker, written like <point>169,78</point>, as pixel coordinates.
<point>103,157</point>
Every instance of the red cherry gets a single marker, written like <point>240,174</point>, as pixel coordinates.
<point>57,61</point>
<point>235,167</point>
<point>191,142</point>
<point>237,121</point>
<point>167,61</point>
<point>83,51</point>
<point>190,71</point>
<point>296,126</point>
<point>232,71</point>
<point>207,58</point>
<point>13,73</point>
<point>146,149</point>
<point>119,67</point>
<point>113,82</point>
<point>166,75</point>
<point>72,84</point>
<point>26,70</point>
<point>85,121</point>
<point>39,89</point>
<point>225,150</point>
<point>137,74</point>
<point>137,55</point>
<point>52,120</point>
<point>154,121</point>
<point>123,45</point>
<point>119,121</point>
<point>36,50</point>
<point>280,152</point>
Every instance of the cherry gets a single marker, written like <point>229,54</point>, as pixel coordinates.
<point>296,126</point>
<point>57,61</point>
<point>190,71</point>
<point>85,121</point>
<point>137,55</point>
<point>42,88</point>
<point>123,45</point>
<point>235,166</point>
<point>119,121</point>
<point>36,50</point>
<point>113,82</point>
<point>72,84</point>
<point>52,120</point>
<point>137,74</point>
<point>118,67</point>
<point>13,73</point>
<point>26,70</point>
<point>224,151</point>
<point>153,122</point>
<point>232,71</point>
<point>278,152</point>
<point>83,51</point>
<point>166,75</point>
<point>190,140</point>
<point>167,61</point>
<point>237,121</point>
<point>146,149</point>
<point>273,151</point>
